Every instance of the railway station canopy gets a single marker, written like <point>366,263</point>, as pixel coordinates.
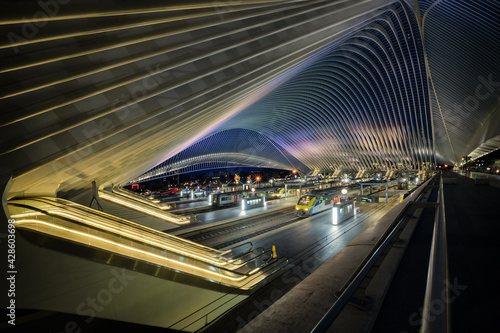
<point>106,90</point>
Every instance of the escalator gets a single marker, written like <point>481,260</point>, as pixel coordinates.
<point>68,227</point>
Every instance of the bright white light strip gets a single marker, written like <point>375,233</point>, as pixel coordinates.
<point>122,223</point>
<point>139,236</point>
<point>153,203</point>
<point>254,270</point>
<point>130,249</point>
<point>146,210</point>
<point>335,215</point>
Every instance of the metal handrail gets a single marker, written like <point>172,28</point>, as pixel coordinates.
<point>347,294</point>
<point>437,276</point>
<point>362,271</point>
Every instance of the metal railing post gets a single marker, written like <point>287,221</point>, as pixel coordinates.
<point>437,319</point>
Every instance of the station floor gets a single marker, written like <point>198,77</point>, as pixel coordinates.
<point>236,212</point>
<point>316,234</point>
<point>290,241</point>
<point>472,218</point>
<point>473,229</point>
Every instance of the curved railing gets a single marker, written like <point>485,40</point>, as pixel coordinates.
<point>64,220</point>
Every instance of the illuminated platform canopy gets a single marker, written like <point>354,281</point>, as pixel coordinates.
<point>107,90</point>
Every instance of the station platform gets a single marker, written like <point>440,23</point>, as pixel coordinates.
<point>473,228</point>
<point>472,215</point>
<point>301,308</point>
<point>225,215</point>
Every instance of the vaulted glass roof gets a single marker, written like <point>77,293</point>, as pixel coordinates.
<point>106,91</point>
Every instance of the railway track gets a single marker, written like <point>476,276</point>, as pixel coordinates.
<point>201,209</point>
<point>233,232</point>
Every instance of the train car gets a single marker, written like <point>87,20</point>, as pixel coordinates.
<point>313,203</point>
<point>318,201</point>
<point>371,189</point>
<point>226,199</point>
<point>253,202</point>
<point>278,193</point>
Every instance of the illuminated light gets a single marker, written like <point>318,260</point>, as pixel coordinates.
<point>253,189</point>
<point>142,237</point>
<point>334,215</point>
<point>344,191</point>
<point>144,209</point>
<point>126,247</point>
<point>120,192</point>
<point>26,215</point>
<point>254,270</point>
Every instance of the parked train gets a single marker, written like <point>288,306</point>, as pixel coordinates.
<point>226,199</point>
<point>318,201</point>
<point>278,193</point>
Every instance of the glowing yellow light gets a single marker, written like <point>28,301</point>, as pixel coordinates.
<point>142,237</point>
<point>143,209</point>
<point>116,235</point>
<point>254,270</point>
<point>207,271</point>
